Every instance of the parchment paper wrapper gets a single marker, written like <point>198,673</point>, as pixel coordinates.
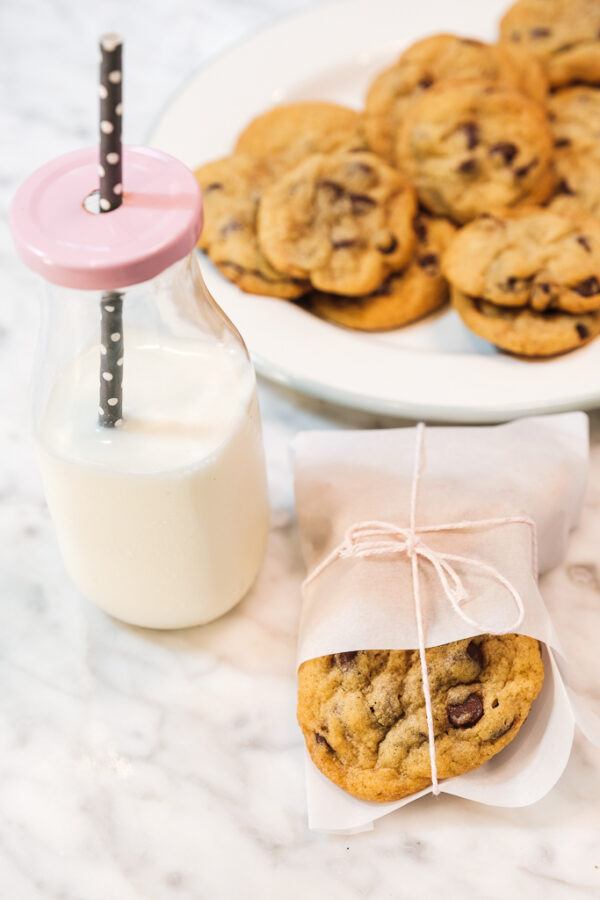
<point>534,467</point>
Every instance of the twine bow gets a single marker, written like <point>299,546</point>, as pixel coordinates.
<point>373,539</point>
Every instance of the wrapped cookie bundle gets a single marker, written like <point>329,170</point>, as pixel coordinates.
<point>351,213</point>
<point>427,658</point>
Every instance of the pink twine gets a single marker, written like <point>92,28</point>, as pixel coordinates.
<point>373,539</point>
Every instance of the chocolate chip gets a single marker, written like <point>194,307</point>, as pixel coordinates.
<point>420,228</point>
<point>563,187</point>
<point>232,225</point>
<point>582,331</point>
<point>504,149</point>
<point>467,713</point>
<point>391,245</point>
<point>513,284</point>
<point>501,731</point>
<point>471,133</point>
<point>587,288</point>
<point>426,82</point>
<point>429,262</point>
<point>525,170</point>
<point>539,32</point>
<point>495,703</point>
<point>321,740</point>
<point>344,659</point>
<point>562,142</point>
<point>550,300</point>
<point>361,203</point>
<point>468,166</point>
<point>584,243</point>
<point>214,186</point>
<point>493,219</point>
<point>358,167</point>
<point>475,653</point>
<point>339,245</point>
<point>336,189</point>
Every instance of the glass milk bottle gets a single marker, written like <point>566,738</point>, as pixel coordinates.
<point>158,496</point>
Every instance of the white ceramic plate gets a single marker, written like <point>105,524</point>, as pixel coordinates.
<point>435,369</point>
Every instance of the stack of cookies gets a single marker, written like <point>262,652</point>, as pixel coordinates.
<point>352,213</point>
<point>528,280</point>
<point>304,209</point>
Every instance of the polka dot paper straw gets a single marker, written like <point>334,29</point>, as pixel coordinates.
<point>111,107</point>
<point>110,410</point>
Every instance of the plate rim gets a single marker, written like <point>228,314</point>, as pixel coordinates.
<point>477,415</point>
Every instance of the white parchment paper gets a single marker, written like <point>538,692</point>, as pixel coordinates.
<point>534,467</point>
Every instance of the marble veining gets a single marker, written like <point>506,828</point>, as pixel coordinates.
<point>146,766</point>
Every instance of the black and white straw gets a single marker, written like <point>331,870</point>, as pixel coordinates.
<point>111,109</point>
<point>110,410</point>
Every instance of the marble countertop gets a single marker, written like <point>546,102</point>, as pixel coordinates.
<point>137,764</point>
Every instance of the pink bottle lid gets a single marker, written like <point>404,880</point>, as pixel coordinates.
<point>158,223</point>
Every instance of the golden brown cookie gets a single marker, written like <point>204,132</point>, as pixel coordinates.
<point>563,34</point>
<point>231,188</point>
<point>470,148</point>
<point>404,296</point>
<point>443,57</point>
<point>530,257</point>
<point>286,135</point>
<point>363,713</point>
<point>343,220</point>
<point>575,120</point>
<point>524,331</point>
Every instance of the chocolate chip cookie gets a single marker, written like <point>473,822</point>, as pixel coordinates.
<point>404,296</point>
<point>564,34</point>
<point>470,147</point>
<point>438,58</point>
<point>285,135</point>
<point>524,331</point>
<point>231,189</point>
<point>575,121</point>
<point>363,713</point>
<point>343,220</point>
<point>534,257</point>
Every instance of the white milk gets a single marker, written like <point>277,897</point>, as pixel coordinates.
<point>162,521</point>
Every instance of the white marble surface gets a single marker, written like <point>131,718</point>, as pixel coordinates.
<point>150,765</point>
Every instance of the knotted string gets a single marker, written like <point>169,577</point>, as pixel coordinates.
<point>372,539</point>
